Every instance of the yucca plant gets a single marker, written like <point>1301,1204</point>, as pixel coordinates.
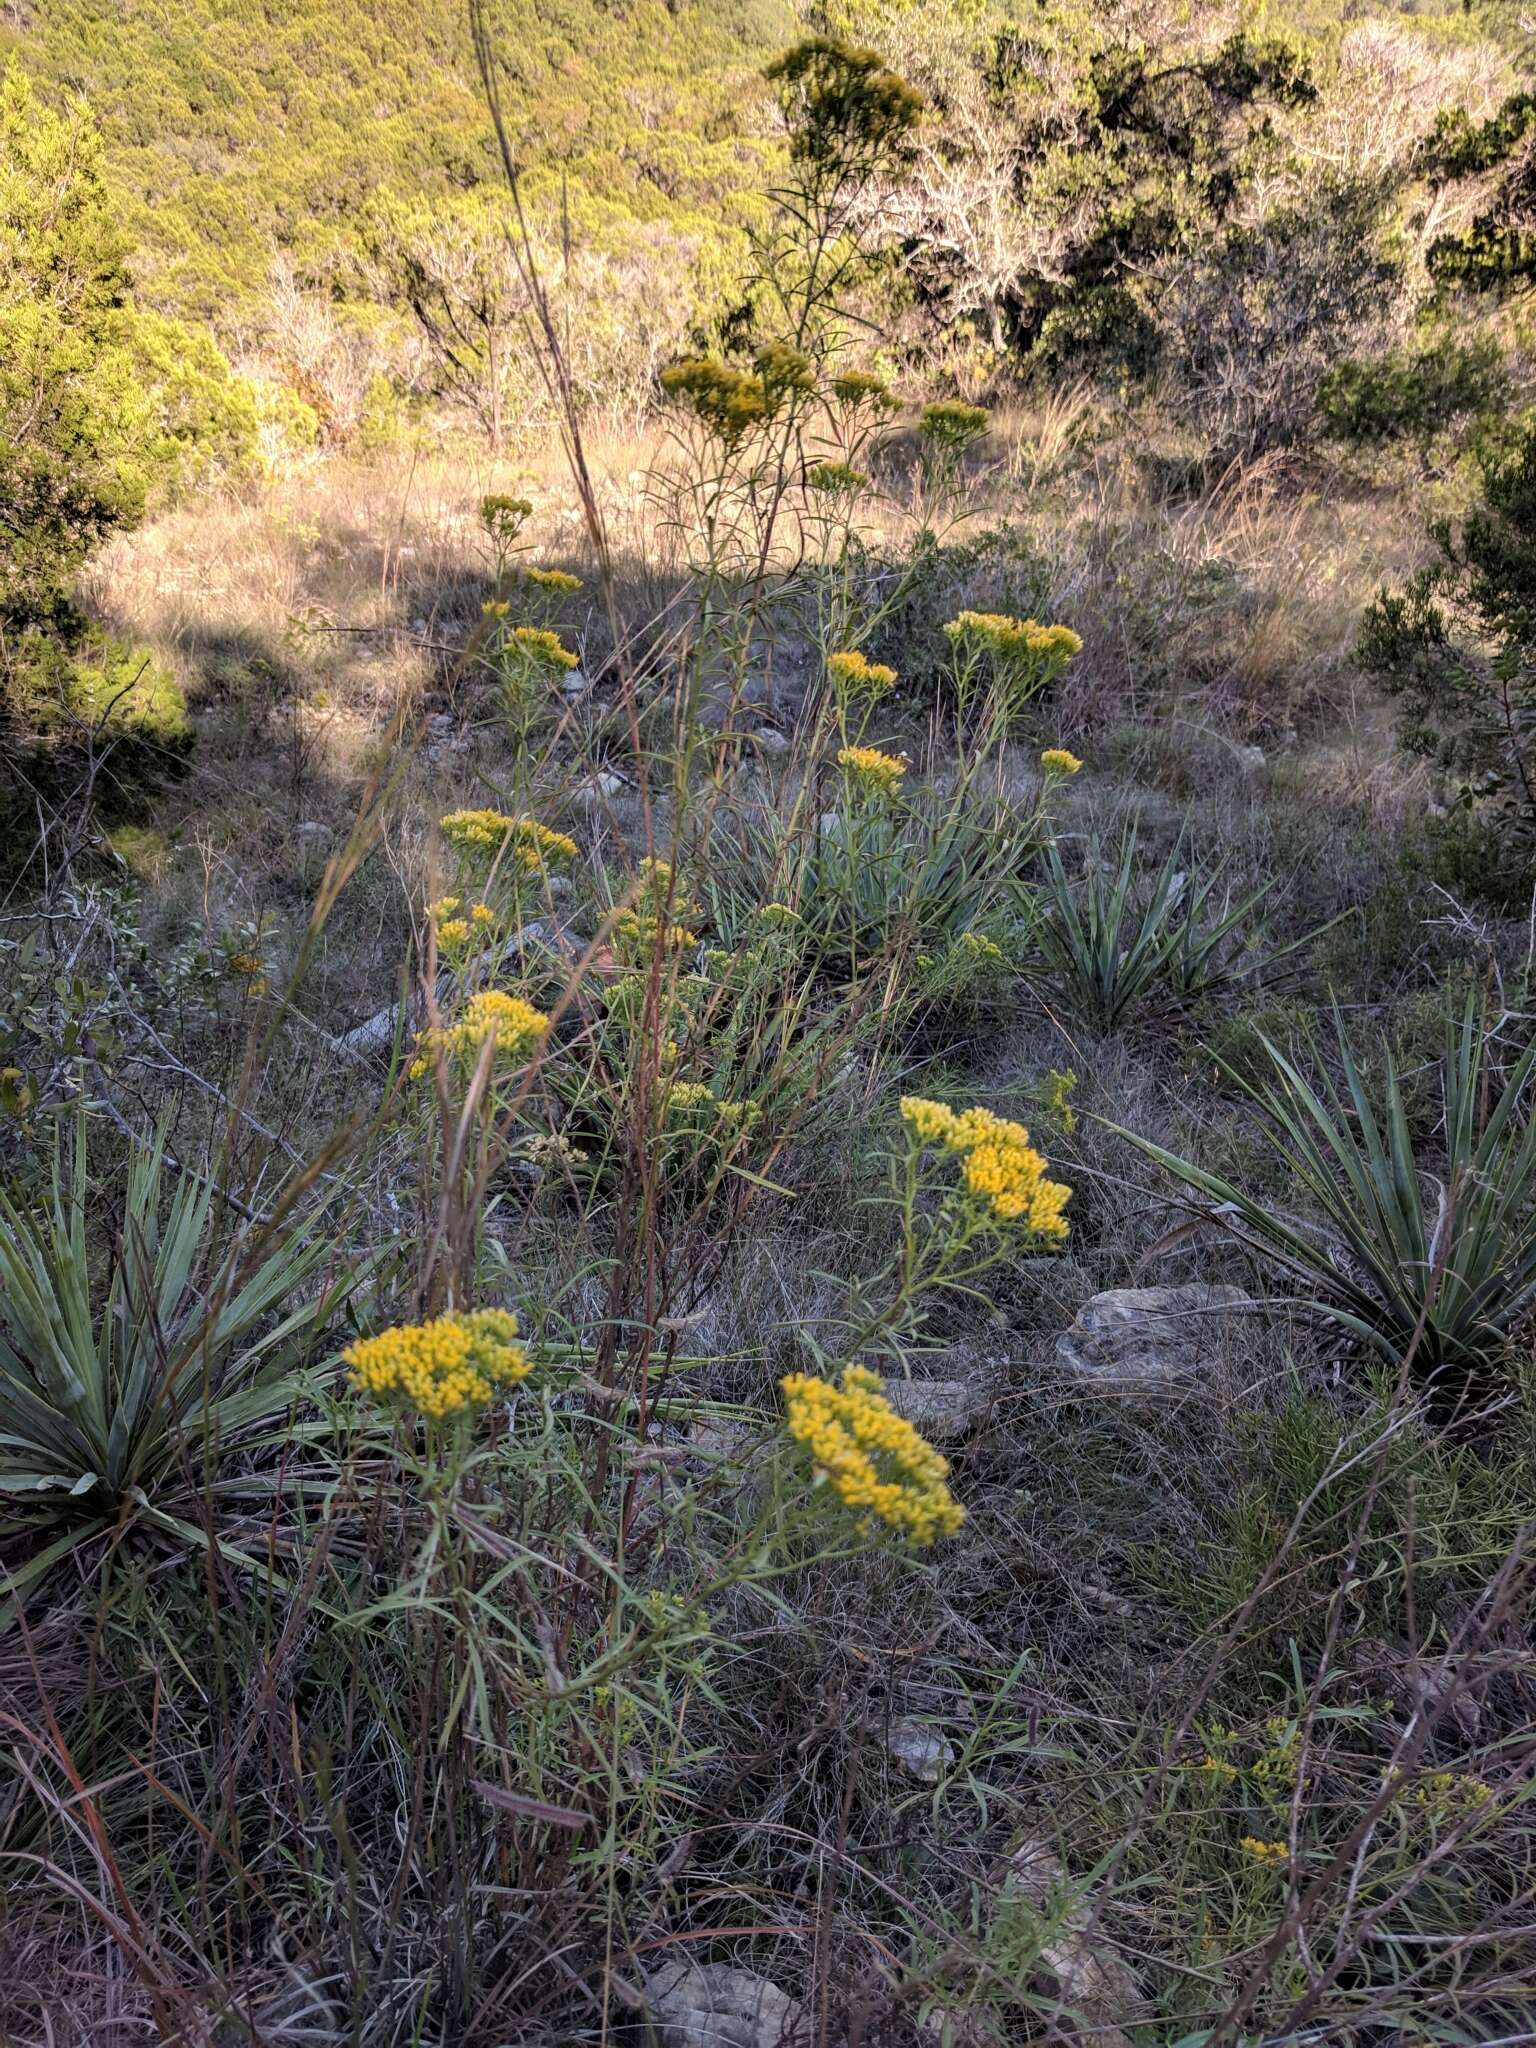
<point>122,1379</point>
<point>1118,952</point>
<point>1436,1272</point>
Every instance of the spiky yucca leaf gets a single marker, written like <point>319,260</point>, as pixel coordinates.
<point>1439,1272</point>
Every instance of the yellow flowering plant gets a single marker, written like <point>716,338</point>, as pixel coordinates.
<point>876,1462</point>
<point>1017,659</point>
<point>450,1366</point>
<point>871,776</point>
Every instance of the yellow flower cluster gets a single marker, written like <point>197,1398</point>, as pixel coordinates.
<point>1217,1767</point>
<point>444,1367</point>
<point>685,1098</point>
<point>728,402</point>
<point>542,647</point>
<point>863,387</point>
<point>876,1461</point>
<point>1012,640</point>
<point>488,831</point>
<point>638,933</point>
<point>517,1028</point>
<point>876,773</point>
<point>999,1166</point>
<point>952,427</point>
<point>835,477</point>
<point>554,579</point>
<point>503,517</point>
<point>1270,1854</point>
<point>1057,760</point>
<point>784,370</point>
<point>980,947</point>
<point>855,675</point>
<point>245,966</point>
<point>779,913</point>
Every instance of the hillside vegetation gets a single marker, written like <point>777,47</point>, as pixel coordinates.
<point>767,1041</point>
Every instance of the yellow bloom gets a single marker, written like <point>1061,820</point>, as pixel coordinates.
<point>1057,761</point>
<point>875,773</point>
<point>1000,1170</point>
<point>453,931</point>
<point>542,647</point>
<point>489,831</point>
<point>863,387</point>
<point>516,1028</point>
<point>638,933</point>
<point>1216,1767</point>
<point>727,402</point>
<point>245,966</point>
<point>778,913</point>
<point>876,1462</point>
<point>447,1366</point>
<point>1268,1854</point>
<point>481,914</point>
<point>554,579</point>
<point>855,675</point>
<point>835,477</point>
<point>953,427</point>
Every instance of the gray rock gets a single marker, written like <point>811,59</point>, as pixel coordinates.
<point>943,1410</point>
<point>768,740</point>
<point>712,2005</point>
<point>599,788</point>
<point>1078,1967</point>
<point>1149,1339</point>
<point>920,1749</point>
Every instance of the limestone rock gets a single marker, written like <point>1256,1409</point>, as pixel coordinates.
<point>1149,1339</point>
<point>1078,1967</point>
<point>713,2005</point>
<point>944,1410</point>
<point>920,1749</point>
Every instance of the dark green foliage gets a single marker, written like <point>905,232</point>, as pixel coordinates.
<point>100,406</point>
<point>1498,249</point>
<point>1457,647</point>
<point>239,131</point>
<point>1412,394</point>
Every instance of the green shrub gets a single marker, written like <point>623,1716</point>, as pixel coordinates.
<point>1457,648</point>
<point>1412,393</point>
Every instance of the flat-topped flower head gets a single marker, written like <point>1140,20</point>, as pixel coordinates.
<point>558,580</point>
<point>503,517</point>
<point>862,387</point>
<point>487,832</point>
<point>875,1461</point>
<point>513,1026</point>
<point>785,372</point>
<point>1057,761</point>
<point>853,674</point>
<point>949,427</point>
<point>870,771</point>
<point>1003,1180</point>
<point>727,402</point>
<point>836,479</point>
<point>543,648</point>
<point>449,1366</point>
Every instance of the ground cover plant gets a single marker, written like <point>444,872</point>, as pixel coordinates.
<point>766,1141</point>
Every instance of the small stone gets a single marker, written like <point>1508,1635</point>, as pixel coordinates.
<point>1252,758</point>
<point>713,2005</point>
<point>576,683</point>
<point>942,1409</point>
<point>599,788</point>
<point>769,740</point>
<point>1150,1339</point>
<point>919,1749</point>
